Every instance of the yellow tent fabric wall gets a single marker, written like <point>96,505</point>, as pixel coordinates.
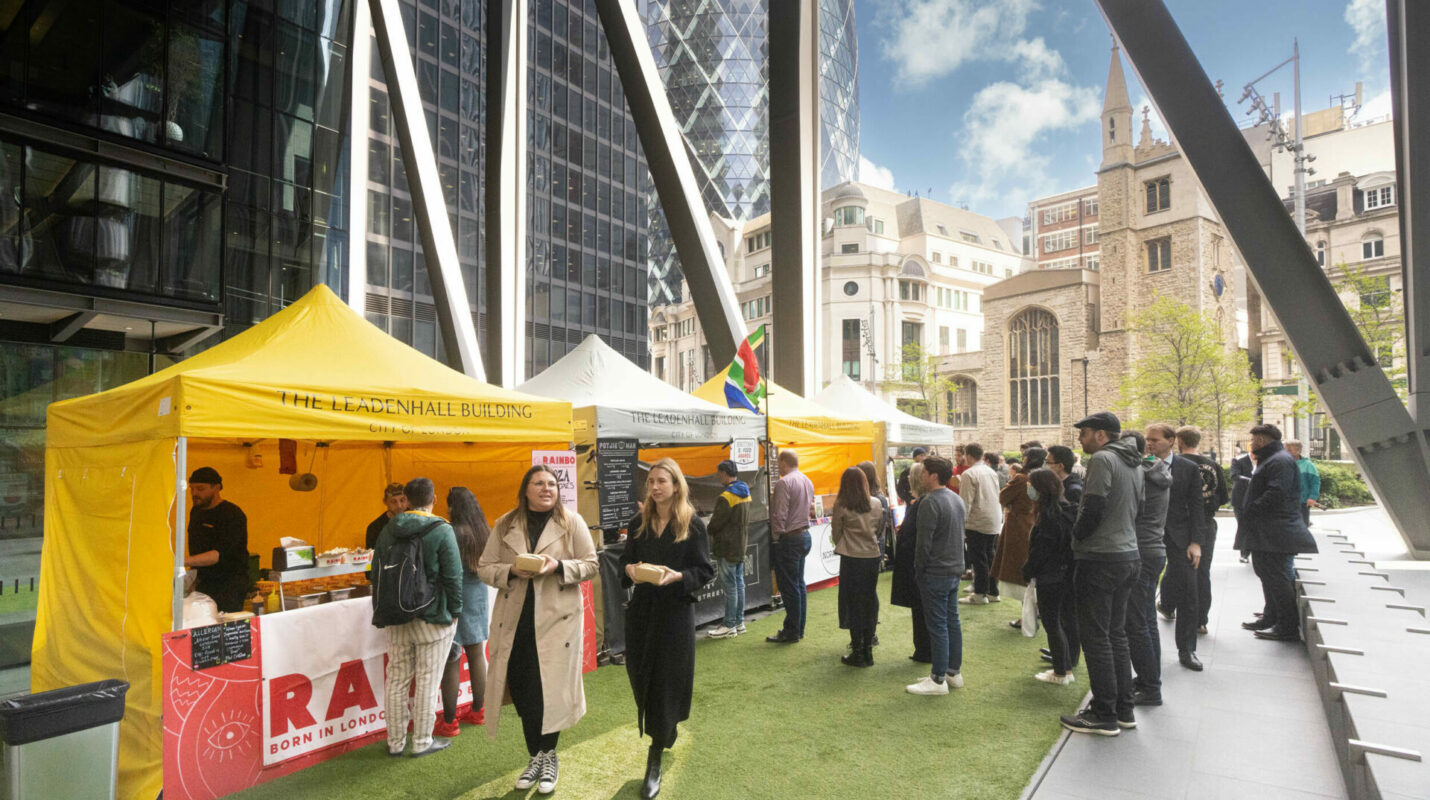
<point>827,442</point>
<point>315,371</point>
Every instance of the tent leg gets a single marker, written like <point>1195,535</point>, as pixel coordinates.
<point>181,530</point>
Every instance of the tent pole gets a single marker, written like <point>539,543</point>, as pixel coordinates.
<point>181,468</point>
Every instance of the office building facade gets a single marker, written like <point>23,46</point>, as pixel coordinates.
<point>713,57</point>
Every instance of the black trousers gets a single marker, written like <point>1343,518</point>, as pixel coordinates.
<point>1054,603</point>
<point>1103,588</point>
<point>1204,576</point>
<point>921,635</point>
<point>523,680</point>
<point>1277,574</point>
<point>980,548</point>
<point>1187,600</point>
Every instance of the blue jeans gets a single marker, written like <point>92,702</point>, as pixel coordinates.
<point>732,581</point>
<point>940,597</point>
<point>789,553</point>
<point>1144,640</point>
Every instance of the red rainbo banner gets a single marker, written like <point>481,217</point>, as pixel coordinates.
<point>220,732</point>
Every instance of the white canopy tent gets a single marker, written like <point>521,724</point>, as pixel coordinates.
<point>847,397</point>
<point>630,402</point>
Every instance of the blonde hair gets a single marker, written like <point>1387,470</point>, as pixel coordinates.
<point>916,480</point>
<point>680,509</point>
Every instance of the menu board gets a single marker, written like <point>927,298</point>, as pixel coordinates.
<point>226,642</point>
<point>616,477</point>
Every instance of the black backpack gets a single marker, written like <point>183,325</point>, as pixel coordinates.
<point>400,589</point>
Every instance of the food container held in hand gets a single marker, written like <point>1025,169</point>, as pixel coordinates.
<point>530,562</point>
<point>649,573</point>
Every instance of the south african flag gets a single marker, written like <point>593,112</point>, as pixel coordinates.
<point>744,386</point>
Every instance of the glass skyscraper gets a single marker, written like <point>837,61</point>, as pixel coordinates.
<point>713,58</point>
<point>586,234</point>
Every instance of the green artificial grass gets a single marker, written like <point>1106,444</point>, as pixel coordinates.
<point>23,600</point>
<point>769,721</point>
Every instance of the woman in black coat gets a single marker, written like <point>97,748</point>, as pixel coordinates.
<point>660,619</point>
<point>904,588</point>
<point>1050,564</point>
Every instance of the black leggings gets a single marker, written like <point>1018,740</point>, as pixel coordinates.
<point>523,680</point>
<point>1052,603</point>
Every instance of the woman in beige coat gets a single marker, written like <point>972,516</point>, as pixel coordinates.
<point>542,675</point>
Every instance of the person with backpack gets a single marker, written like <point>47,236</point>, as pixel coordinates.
<point>416,597</point>
<point>542,675</point>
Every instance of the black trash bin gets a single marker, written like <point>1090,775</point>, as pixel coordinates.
<point>62,743</point>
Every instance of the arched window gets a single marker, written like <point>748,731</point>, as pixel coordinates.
<point>1033,392</point>
<point>962,403</point>
<point>1372,245</point>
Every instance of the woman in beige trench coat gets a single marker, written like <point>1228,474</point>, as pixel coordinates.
<point>541,673</point>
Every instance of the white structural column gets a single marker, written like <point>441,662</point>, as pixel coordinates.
<point>359,119</point>
<point>711,291</point>
<point>505,195</point>
<point>794,194</point>
<point>439,248</point>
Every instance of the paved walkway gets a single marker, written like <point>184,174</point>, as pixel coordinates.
<point>1250,726</point>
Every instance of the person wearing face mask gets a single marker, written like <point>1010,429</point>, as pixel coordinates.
<point>660,619</point>
<point>543,677</point>
<point>1050,564</point>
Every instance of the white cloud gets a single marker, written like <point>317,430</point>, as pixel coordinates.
<point>1159,131</point>
<point>1367,20</point>
<point>932,38</point>
<point>875,175</point>
<point>1376,108</point>
<point>1002,132</point>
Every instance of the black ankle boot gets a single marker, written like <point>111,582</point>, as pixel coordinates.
<point>859,654</point>
<point>651,787</point>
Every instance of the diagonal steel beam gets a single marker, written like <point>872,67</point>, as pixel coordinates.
<point>439,248</point>
<point>1408,22</point>
<point>1371,418</point>
<point>716,304</point>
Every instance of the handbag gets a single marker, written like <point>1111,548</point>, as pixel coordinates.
<point>1030,609</point>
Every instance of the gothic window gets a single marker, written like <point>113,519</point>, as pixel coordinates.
<point>1159,254</point>
<point>962,403</point>
<point>1033,393</point>
<point>1159,194</point>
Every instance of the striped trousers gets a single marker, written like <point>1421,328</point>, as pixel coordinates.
<point>416,651</point>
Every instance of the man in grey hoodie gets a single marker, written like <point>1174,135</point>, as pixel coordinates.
<point>1105,548</point>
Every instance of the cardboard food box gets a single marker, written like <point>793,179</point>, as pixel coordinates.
<point>649,573</point>
<point>530,562</point>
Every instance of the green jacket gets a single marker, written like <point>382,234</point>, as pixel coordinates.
<point>440,557</point>
<point>728,525</point>
<point>1310,480</point>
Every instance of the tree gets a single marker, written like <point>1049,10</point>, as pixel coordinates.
<point>918,371</point>
<point>1185,374</point>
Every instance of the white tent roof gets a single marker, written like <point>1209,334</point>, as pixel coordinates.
<point>631,402</point>
<point>847,397</point>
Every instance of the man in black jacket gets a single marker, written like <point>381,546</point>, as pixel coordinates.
<point>901,486</point>
<point>729,537</point>
<point>1061,461</point>
<point>1185,538</point>
<point>1273,530</point>
<point>1215,494</point>
<point>1238,479</point>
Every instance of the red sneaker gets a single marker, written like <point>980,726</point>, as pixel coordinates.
<point>471,717</point>
<point>446,730</point>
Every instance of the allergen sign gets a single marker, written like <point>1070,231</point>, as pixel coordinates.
<point>616,477</point>
<point>563,463</point>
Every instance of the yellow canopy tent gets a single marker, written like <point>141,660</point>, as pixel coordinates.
<point>828,442</point>
<point>365,410</point>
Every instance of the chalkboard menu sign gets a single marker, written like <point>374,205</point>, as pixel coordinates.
<point>213,645</point>
<point>616,477</point>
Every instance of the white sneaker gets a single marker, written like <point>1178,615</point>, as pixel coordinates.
<point>1049,676</point>
<point>927,686</point>
<point>974,600</point>
<point>954,681</point>
<point>722,632</point>
<point>532,772</point>
<point>995,598</point>
<point>740,629</point>
<point>549,773</point>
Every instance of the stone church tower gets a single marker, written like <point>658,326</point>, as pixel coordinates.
<point>1159,236</point>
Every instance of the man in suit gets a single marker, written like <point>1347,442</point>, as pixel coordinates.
<point>1239,478</point>
<point>1214,496</point>
<point>1185,532</point>
<point>1273,530</point>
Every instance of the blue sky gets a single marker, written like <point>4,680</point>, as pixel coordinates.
<point>993,103</point>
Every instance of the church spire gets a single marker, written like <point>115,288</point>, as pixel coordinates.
<point>1116,115</point>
